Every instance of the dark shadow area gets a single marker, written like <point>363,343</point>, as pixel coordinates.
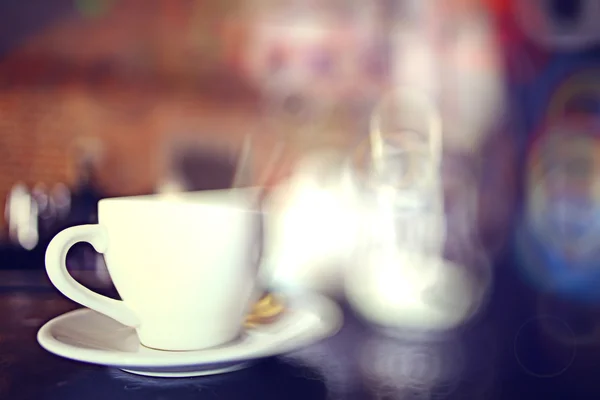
<point>20,19</point>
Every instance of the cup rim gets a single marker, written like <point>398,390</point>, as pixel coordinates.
<point>184,198</point>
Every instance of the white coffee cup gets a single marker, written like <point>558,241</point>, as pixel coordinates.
<point>182,264</point>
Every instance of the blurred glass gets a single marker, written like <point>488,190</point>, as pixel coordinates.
<point>413,273</point>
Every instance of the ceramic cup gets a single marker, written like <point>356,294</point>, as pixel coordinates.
<point>182,265</point>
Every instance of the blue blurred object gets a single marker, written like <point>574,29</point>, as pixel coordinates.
<point>547,270</point>
<point>543,263</point>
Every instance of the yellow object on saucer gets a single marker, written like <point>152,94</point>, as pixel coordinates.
<point>265,311</point>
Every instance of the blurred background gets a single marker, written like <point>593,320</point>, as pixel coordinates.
<point>103,98</point>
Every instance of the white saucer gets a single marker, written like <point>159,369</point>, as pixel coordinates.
<point>87,336</point>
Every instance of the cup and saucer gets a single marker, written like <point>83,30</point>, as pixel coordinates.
<point>180,266</point>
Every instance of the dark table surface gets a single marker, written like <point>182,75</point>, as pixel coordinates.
<point>357,363</point>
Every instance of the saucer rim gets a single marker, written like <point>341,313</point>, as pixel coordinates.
<point>328,312</point>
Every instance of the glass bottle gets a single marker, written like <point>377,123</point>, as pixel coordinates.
<point>413,275</point>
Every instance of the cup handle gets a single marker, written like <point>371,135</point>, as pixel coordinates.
<point>56,269</point>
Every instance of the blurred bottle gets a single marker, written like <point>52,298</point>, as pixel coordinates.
<point>558,235</point>
<point>406,288</point>
<point>420,268</point>
<point>21,213</point>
